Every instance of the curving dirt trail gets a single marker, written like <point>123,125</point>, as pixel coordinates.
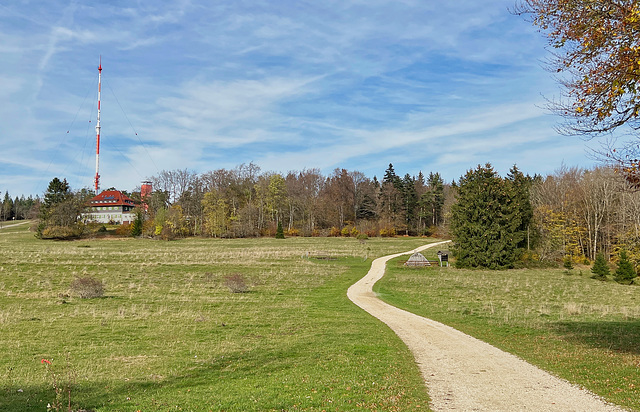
<point>465,374</point>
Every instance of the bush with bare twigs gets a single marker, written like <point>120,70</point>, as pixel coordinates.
<point>87,287</point>
<point>236,283</point>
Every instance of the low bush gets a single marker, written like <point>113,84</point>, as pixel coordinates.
<point>124,229</point>
<point>236,283</point>
<point>387,232</point>
<point>60,232</point>
<point>293,232</point>
<point>335,232</point>
<point>87,287</point>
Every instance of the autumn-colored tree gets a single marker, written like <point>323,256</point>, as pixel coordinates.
<point>597,58</point>
<point>215,214</point>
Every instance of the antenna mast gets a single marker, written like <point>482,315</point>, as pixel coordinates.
<point>97,178</point>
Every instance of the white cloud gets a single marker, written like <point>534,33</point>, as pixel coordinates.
<point>285,84</point>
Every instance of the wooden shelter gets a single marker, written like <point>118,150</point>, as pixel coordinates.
<point>417,259</point>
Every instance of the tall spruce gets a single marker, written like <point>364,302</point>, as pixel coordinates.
<point>487,220</point>
<point>434,198</point>
<point>409,202</point>
<point>520,192</point>
<point>391,199</point>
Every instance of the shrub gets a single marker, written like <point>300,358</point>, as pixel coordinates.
<point>371,233</point>
<point>355,232</point>
<point>124,229</point>
<point>236,283</point>
<point>87,287</point>
<point>387,232</point>
<point>59,232</point>
<point>346,231</point>
<point>136,227</point>
<point>335,232</point>
<point>625,273</point>
<point>567,263</point>
<point>293,232</point>
<point>600,268</point>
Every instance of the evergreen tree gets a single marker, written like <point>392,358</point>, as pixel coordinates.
<point>409,202</point>
<point>625,272</point>
<point>61,211</point>
<point>391,199</point>
<point>485,221</point>
<point>435,197</point>
<point>6,208</point>
<point>520,188</point>
<point>57,192</point>
<point>390,176</point>
<point>136,228</point>
<point>279,231</point>
<point>600,268</point>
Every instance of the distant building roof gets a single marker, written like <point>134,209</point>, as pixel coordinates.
<point>111,198</point>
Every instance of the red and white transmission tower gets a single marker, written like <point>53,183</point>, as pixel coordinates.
<point>97,178</point>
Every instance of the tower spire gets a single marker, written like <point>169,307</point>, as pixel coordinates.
<point>97,178</point>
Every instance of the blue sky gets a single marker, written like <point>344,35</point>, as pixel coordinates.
<point>202,85</point>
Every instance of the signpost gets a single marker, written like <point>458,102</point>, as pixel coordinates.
<point>443,256</point>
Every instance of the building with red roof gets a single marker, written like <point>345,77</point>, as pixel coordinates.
<point>111,206</point>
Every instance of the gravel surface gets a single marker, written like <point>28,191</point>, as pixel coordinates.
<point>465,374</point>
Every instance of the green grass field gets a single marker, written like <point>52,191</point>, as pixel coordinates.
<point>580,329</point>
<point>169,334</point>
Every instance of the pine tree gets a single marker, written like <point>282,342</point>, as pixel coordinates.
<point>625,272</point>
<point>600,268</point>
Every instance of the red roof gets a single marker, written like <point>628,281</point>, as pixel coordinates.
<point>112,198</point>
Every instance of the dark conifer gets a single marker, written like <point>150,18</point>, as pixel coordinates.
<point>600,268</point>
<point>625,272</point>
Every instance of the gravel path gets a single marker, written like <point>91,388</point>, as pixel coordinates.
<point>465,374</point>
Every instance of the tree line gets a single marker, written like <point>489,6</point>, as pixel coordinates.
<point>495,222</point>
<point>18,208</point>
<point>244,202</point>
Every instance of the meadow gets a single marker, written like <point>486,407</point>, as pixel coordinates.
<point>578,328</point>
<point>169,334</point>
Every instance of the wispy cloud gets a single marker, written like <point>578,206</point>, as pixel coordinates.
<point>289,85</point>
